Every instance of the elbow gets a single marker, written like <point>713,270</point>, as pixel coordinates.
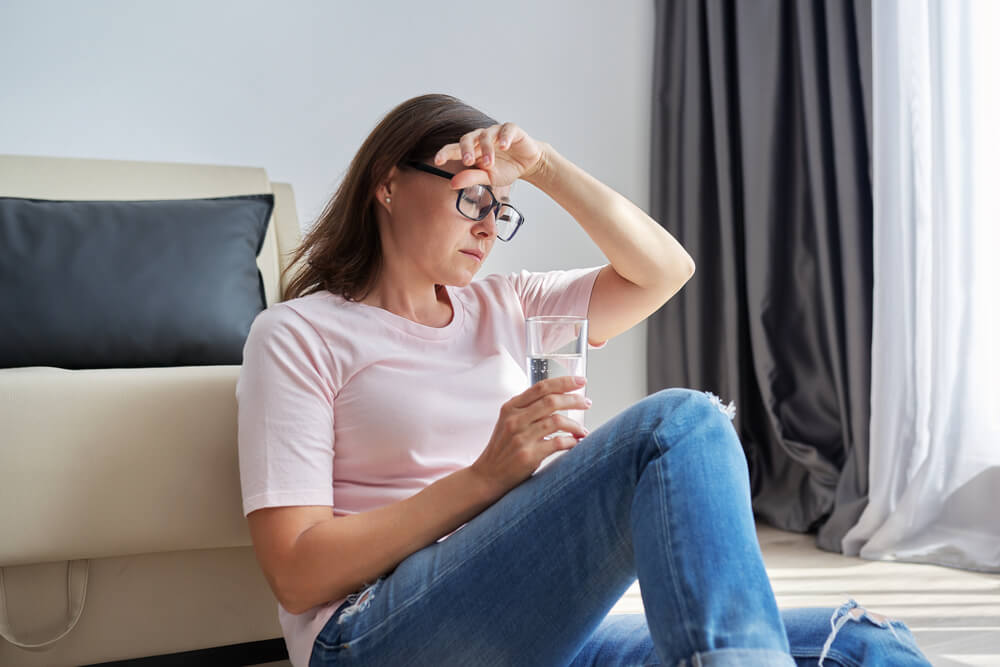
<point>677,267</point>
<point>287,588</point>
<point>673,280</point>
<point>687,262</point>
<point>292,608</point>
<point>283,592</point>
<point>298,594</point>
<point>681,271</point>
<point>290,600</point>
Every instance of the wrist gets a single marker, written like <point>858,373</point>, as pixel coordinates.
<point>542,172</point>
<point>481,486</point>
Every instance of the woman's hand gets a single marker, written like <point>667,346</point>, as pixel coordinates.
<point>518,443</point>
<point>497,156</point>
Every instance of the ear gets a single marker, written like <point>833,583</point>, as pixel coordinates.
<point>385,189</point>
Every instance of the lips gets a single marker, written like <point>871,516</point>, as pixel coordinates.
<point>475,253</point>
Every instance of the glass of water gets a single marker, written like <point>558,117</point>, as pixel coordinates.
<point>557,346</point>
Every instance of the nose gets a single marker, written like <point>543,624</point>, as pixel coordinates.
<point>487,227</point>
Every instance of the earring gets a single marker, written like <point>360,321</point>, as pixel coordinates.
<point>387,200</point>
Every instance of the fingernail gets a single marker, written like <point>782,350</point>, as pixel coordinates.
<point>467,157</point>
<point>487,159</point>
<point>581,380</point>
<point>588,402</point>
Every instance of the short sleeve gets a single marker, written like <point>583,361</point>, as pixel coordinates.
<point>556,292</point>
<point>285,414</point>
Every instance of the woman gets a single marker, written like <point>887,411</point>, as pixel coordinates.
<point>388,438</point>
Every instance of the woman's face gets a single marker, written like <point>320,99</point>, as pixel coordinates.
<point>426,230</point>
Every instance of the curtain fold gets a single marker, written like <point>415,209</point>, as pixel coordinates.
<point>935,428</point>
<point>761,169</point>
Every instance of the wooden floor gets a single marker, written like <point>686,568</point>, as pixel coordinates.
<point>954,614</point>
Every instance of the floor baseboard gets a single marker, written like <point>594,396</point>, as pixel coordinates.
<point>234,655</point>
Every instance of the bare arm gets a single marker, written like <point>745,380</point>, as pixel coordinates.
<point>309,557</point>
<point>648,265</point>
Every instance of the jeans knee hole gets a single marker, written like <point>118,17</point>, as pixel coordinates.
<point>728,410</point>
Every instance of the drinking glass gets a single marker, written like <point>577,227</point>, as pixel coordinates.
<point>557,346</point>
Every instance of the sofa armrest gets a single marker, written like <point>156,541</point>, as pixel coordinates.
<point>287,233</point>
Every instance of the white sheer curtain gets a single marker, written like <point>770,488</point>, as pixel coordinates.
<point>934,473</point>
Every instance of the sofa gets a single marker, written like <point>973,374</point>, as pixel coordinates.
<point>122,530</point>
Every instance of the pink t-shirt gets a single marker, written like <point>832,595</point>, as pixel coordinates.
<point>351,406</point>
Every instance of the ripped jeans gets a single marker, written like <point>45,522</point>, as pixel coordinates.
<point>659,493</point>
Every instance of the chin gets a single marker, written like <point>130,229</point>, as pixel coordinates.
<point>462,280</point>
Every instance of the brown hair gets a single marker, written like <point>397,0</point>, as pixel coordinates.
<point>343,250</point>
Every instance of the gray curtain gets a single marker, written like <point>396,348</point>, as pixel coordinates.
<point>761,169</point>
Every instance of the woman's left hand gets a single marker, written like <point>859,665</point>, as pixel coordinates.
<point>497,156</point>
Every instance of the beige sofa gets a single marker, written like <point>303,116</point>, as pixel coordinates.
<point>120,512</point>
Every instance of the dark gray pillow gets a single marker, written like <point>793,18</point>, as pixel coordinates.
<point>129,284</point>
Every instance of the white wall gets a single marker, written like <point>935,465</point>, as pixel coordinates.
<point>294,87</point>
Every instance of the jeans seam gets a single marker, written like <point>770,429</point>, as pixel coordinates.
<point>486,544</point>
<point>669,556</point>
<point>643,431</point>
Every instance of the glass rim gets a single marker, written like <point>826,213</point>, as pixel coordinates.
<point>556,319</point>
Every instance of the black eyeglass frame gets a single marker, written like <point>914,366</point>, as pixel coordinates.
<point>494,207</point>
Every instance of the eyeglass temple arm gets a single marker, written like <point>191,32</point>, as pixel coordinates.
<point>429,169</point>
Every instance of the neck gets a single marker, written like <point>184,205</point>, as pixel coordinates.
<point>426,304</point>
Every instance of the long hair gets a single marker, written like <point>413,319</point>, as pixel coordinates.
<point>343,250</point>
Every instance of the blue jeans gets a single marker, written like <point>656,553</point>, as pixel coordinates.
<point>659,493</point>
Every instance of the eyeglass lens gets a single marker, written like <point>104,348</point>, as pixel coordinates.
<point>476,202</point>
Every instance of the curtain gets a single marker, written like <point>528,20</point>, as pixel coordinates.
<point>761,169</point>
<point>935,429</point>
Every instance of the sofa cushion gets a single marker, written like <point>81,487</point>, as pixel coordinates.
<point>129,284</point>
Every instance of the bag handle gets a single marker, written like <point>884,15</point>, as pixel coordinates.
<point>77,573</point>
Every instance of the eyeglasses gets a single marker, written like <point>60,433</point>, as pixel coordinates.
<point>478,201</point>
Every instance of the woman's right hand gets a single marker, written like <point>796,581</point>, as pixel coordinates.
<point>518,444</point>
